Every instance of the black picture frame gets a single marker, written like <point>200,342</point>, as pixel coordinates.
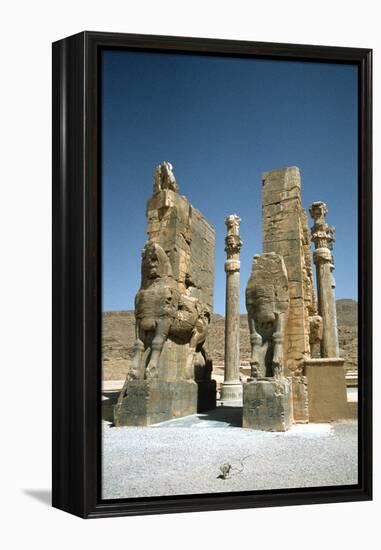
<point>77,271</point>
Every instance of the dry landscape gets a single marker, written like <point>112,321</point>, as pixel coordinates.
<point>118,339</point>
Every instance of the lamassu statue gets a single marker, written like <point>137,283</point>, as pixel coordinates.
<point>267,304</point>
<point>162,312</point>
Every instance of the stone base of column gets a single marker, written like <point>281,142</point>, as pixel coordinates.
<point>153,401</point>
<point>267,405</point>
<point>327,390</point>
<point>231,394</point>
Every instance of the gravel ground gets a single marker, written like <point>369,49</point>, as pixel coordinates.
<point>184,456</point>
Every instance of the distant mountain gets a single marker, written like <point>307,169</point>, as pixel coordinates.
<point>346,311</point>
<point>119,335</point>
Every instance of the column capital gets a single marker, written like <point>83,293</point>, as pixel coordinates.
<point>322,235</point>
<point>233,242</point>
<point>233,245</point>
<point>232,223</point>
<point>232,265</point>
<point>318,211</point>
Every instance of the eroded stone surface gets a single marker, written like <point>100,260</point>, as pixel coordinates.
<point>149,402</point>
<point>267,304</point>
<point>267,405</point>
<point>285,232</point>
<point>174,303</point>
<point>267,397</point>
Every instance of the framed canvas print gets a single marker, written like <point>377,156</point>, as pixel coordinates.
<point>211,274</point>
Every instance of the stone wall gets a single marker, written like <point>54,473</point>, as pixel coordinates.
<point>188,239</point>
<point>285,232</point>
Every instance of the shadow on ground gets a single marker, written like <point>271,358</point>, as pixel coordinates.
<point>232,416</point>
<point>42,495</point>
<point>109,399</point>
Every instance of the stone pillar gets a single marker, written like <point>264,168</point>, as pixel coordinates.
<point>323,236</point>
<point>231,390</point>
<point>285,232</point>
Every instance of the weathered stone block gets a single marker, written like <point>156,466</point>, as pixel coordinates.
<point>149,402</point>
<point>327,391</point>
<point>267,405</point>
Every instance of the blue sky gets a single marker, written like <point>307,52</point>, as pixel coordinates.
<point>221,122</point>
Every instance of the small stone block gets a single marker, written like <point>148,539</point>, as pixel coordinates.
<point>267,405</point>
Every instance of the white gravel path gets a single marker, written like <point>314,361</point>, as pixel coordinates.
<point>184,456</point>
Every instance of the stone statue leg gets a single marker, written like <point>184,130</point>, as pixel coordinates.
<point>256,343</point>
<point>137,368</point>
<point>278,338</point>
<point>208,363</point>
<point>136,371</point>
<point>161,334</point>
<point>189,368</point>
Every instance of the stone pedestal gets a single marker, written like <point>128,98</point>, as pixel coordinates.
<point>231,390</point>
<point>149,402</point>
<point>267,405</point>
<point>231,394</point>
<point>327,391</point>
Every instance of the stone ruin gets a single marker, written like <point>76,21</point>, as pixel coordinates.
<point>286,320</point>
<point>267,395</point>
<point>327,394</point>
<point>267,303</point>
<point>170,374</point>
<point>171,371</point>
<point>231,390</point>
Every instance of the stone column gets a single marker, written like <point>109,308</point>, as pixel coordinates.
<point>232,387</point>
<point>323,237</point>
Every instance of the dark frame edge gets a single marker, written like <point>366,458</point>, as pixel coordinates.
<point>68,422</point>
<point>365,353</point>
<point>75,270</point>
<point>232,501</point>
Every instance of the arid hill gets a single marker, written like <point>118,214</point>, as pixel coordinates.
<point>346,312</point>
<point>119,335</point>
